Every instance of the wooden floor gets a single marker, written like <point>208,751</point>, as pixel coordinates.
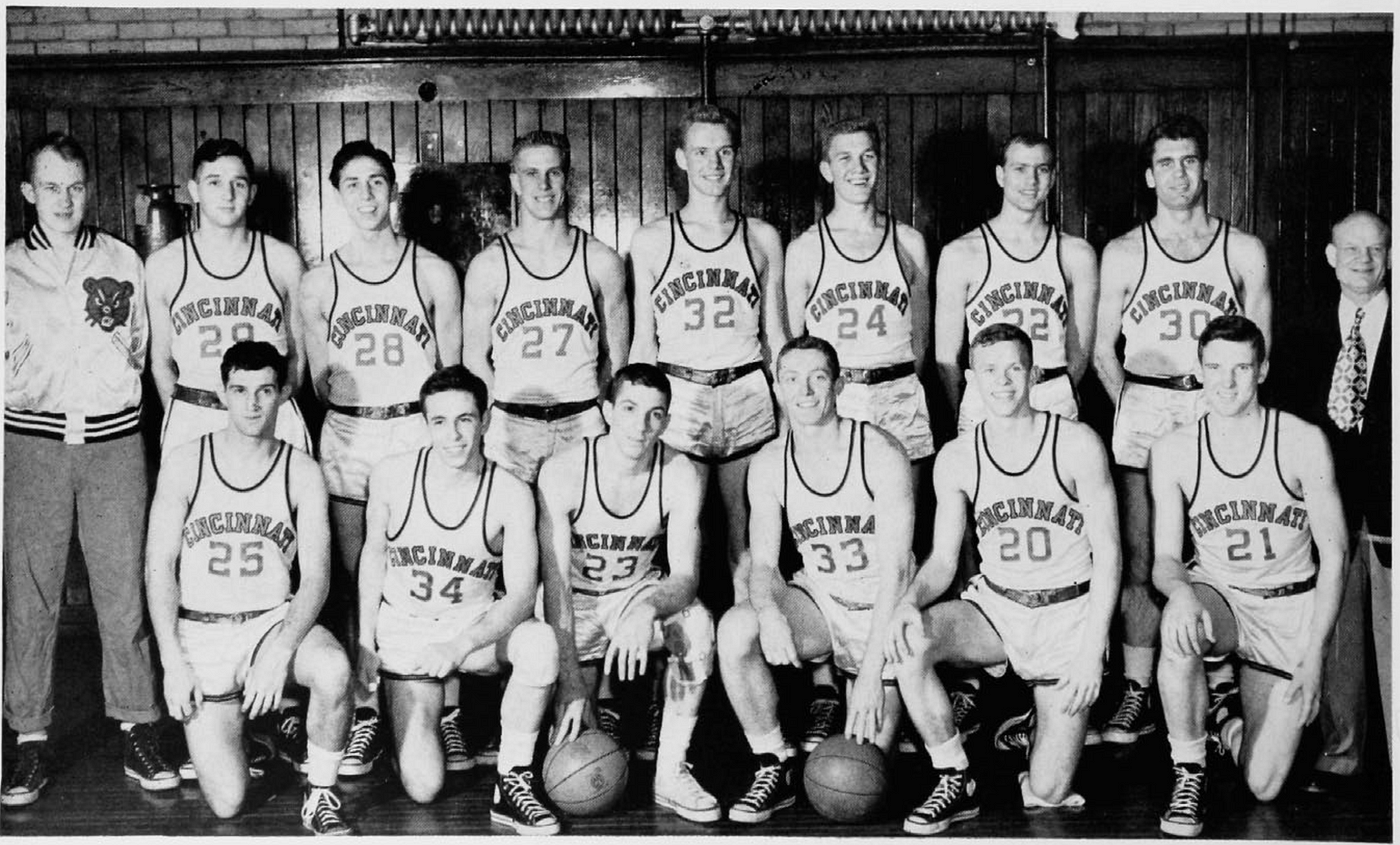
<point>1125,789</point>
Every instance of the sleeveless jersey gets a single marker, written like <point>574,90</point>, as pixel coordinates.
<point>209,313</point>
<point>611,551</point>
<point>1030,293</point>
<point>834,531</point>
<point>707,302</point>
<point>1249,529</point>
<point>861,306</point>
<point>435,568</point>
<point>1172,303</point>
<point>380,345</point>
<point>1030,529</point>
<point>238,543</point>
<point>544,336</point>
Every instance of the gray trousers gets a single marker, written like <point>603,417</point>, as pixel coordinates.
<point>46,482</point>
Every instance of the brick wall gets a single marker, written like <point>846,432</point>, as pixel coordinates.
<point>69,30</point>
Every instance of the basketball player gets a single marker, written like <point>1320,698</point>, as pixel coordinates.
<point>1256,489</point>
<point>606,506</point>
<point>1047,527</point>
<point>220,284</point>
<point>1162,282</point>
<point>829,478</point>
<point>442,525</point>
<point>546,320</point>
<point>707,285</point>
<point>232,511</point>
<point>381,314</point>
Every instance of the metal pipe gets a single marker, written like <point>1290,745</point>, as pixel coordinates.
<point>1249,121</point>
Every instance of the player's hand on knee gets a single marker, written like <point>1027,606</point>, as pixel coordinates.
<point>864,707</point>
<point>570,718</point>
<point>262,689</point>
<point>440,659</point>
<point>367,669</point>
<point>1186,625</point>
<point>905,632</point>
<point>1079,687</point>
<point>182,693</point>
<point>775,638</point>
<point>629,646</point>
<point>1304,692</point>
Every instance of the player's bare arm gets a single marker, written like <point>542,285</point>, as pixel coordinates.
<point>914,261</point>
<point>765,537</point>
<point>482,291</point>
<point>766,249</point>
<point>512,512</point>
<point>608,277</point>
<point>163,276</point>
<point>1120,271</point>
<point>561,477</point>
<point>317,291</point>
<point>1249,265</point>
<point>961,265</point>
<point>443,299</point>
<point>801,265</point>
<point>169,507</point>
<point>1171,472</point>
<point>389,482</point>
<point>1081,266</point>
<point>649,247</point>
<point>286,269</point>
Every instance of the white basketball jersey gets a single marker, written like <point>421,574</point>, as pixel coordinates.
<point>436,567</point>
<point>612,550</point>
<point>1249,529</point>
<point>861,306</point>
<point>380,344</point>
<point>834,531</point>
<point>707,302</point>
<point>209,313</point>
<point>544,336</point>
<point>238,543</point>
<point>1172,304</point>
<point>1030,528</point>
<point>1031,294</point>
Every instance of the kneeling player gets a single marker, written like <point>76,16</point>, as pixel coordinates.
<point>1256,489</point>
<point>441,524</point>
<point>829,476</point>
<point>605,507</point>
<point>232,510</point>
<point>1047,528</point>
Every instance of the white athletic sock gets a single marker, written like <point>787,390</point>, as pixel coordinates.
<point>1188,750</point>
<point>517,749</point>
<point>769,743</point>
<point>1219,672</point>
<point>126,726</point>
<point>675,740</point>
<point>949,755</point>
<point>1137,664</point>
<point>322,765</point>
<point>33,736</point>
<point>1232,736</point>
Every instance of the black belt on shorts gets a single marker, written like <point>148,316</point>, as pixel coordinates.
<point>710,378</point>
<point>1039,598</point>
<point>1052,374</point>
<point>224,618</point>
<point>1186,382</point>
<point>878,375</point>
<point>547,413</point>
<point>202,398</point>
<point>378,412</point>
<point>1278,592</point>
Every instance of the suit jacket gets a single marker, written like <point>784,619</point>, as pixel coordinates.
<point>1301,377</point>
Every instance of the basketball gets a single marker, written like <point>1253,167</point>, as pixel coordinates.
<point>846,780</point>
<point>586,777</point>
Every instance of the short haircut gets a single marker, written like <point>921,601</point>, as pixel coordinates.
<point>807,341</point>
<point>360,149</point>
<point>1175,127</point>
<point>1028,139</point>
<point>1003,333</point>
<point>1362,214</point>
<point>544,138</point>
<point>217,148</point>
<point>850,126</point>
<point>646,375</point>
<point>454,377</point>
<point>707,113</point>
<point>1235,328</point>
<point>254,355</point>
<point>65,145</point>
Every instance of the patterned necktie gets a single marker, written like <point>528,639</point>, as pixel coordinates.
<point>1347,399</point>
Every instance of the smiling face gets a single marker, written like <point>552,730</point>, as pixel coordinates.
<point>1178,173</point>
<point>1026,176</point>
<point>224,189</point>
<point>540,182</point>
<point>367,193</point>
<point>58,189</point>
<point>1360,253</point>
<point>1230,375</point>
<point>708,158</point>
<point>1004,375</point>
<point>455,426</point>
<point>252,398</point>
<point>636,419</point>
<point>852,166</point>
<point>806,386</point>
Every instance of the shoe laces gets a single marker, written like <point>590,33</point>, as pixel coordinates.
<point>142,743</point>
<point>290,726</point>
<point>945,792</point>
<point>517,786</point>
<point>1186,793</point>
<point>325,807</point>
<point>1130,708</point>
<point>964,703</point>
<point>451,732</point>
<point>682,779</point>
<point>821,716</point>
<point>362,735</point>
<point>608,723</point>
<point>765,783</point>
<point>26,769</point>
<point>653,725</point>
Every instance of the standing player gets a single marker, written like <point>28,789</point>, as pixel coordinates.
<point>428,576</point>
<point>829,477</point>
<point>607,601</point>
<point>220,284</point>
<point>546,316</point>
<point>1162,282</point>
<point>233,512</point>
<point>707,286</point>
<point>1255,487</point>
<point>380,316</point>
<point>1047,528</point>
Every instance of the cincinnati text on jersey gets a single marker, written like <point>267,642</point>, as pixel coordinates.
<point>484,569</point>
<point>393,315</point>
<point>238,522</point>
<point>1029,507</point>
<point>615,542</point>
<point>990,303</point>
<point>1236,510</point>
<point>542,308</point>
<point>227,306</point>
<point>708,277</point>
<point>820,526</point>
<point>854,291</point>
<point>1150,299</point>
